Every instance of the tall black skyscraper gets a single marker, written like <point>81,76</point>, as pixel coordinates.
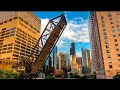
<point>72,49</point>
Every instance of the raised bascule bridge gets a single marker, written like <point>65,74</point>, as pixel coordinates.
<point>31,67</point>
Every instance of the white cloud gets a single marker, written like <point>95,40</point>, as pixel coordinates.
<point>76,30</point>
<point>44,23</point>
<point>78,54</point>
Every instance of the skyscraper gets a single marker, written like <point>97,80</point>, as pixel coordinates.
<point>105,39</point>
<point>55,58</point>
<point>67,59</point>
<point>86,60</point>
<point>62,61</point>
<point>19,33</point>
<point>72,49</point>
<point>79,60</point>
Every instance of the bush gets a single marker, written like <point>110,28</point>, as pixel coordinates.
<point>49,76</point>
<point>74,75</point>
<point>5,74</point>
<point>116,76</point>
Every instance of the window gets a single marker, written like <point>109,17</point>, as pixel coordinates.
<point>22,47</point>
<point>22,53</point>
<point>105,33</point>
<point>9,47</point>
<point>16,48</point>
<point>117,25</point>
<point>102,21</point>
<point>1,23</point>
<point>109,15</point>
<point>110,18</point>
<point>4,45</point>
<point>117,49</point>
<point>4,29</point>
<point>113,30</point>
<point>112,26</point>
<point>15,55</point>
<point>17,45</point>
<point>13,28</point>
<point>118,55</point>
<point>103,25</point>
<point>22,50</point>
<point>12,31</point>
<point>110,61</point>
<point>17,42</point>
<point>107,46</point>
<point>10,44</point>
<point>102,17</point>
<point>108,51</point>
<point>18,35</point>
<point>111,22</point>
<point>108,55</point>
<point>105,37</point>
<point>118,30</point>
<point>18,39</point>
<point>110,66</point>
<point>9,51</point>
<point>4,48</point>
<point>114,35</point>
<point>0,62</point>
<point>12,34</point>
<point>118,60</point>
<point>116,44</point>
<point>115,40</point>
<point>15,52</point>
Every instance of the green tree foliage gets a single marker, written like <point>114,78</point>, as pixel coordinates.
<point>49,76</point>
<point>116,76</point>
<point>5,74</point>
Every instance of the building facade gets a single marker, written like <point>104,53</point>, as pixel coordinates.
<point>86,61</point>
<point>62,61</point>
<point>19,33</point>
<point>105,39</point>
<point>72,49</point>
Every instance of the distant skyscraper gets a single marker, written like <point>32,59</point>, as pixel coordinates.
<point>72,49</point>
<point>85,60</point>
<point>55,58</point>
<point>62,61</point>
<point>79,60</point>
<point>67,59</point>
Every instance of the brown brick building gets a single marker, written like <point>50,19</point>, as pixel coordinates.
<point>105,42</point>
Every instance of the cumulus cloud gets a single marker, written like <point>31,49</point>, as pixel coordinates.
<point>44,23</point>
<point>76,30</point>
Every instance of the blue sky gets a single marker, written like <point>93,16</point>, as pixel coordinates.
<point>76,30</point>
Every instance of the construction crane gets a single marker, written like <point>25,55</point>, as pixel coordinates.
<point>48,39</point>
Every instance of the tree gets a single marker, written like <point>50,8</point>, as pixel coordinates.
<point>6,74</point>
<point>116,76</point>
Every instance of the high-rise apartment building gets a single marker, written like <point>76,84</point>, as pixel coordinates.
<point>19,33</point>
<point>105,42</point>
